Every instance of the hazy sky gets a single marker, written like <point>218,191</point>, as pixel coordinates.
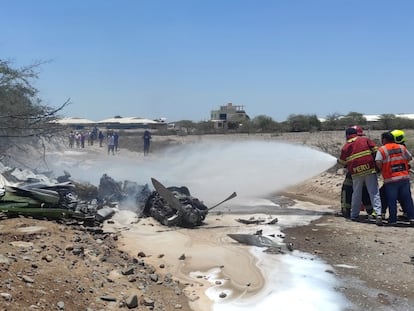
<point>180,59</point>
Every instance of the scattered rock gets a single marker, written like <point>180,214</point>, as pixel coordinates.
<point>132,301</point>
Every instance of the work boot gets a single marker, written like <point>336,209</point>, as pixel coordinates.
<point>403,217</point>
<point>372,216</point>
<point>378,221</point>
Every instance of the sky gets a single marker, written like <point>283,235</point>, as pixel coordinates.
<point>181,59</point>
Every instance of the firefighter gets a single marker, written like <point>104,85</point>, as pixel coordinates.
<point>392,159</point>
<point>399,138</point>
<point>346,191</point>
<point>357,155</point>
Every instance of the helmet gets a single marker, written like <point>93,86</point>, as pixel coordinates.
<point>350,131</point>
<point>359,130</point>
<point>399,136</point>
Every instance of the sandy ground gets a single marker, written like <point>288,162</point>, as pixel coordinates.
<point>191,255</point>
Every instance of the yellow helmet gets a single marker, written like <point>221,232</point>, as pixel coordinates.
<point>399,136</point>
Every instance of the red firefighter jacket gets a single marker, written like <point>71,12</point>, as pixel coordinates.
<point>395,159</point>
<point>358,155</point>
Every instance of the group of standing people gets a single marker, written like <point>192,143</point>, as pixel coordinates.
<point>77,139</point>
<point>364,159</point>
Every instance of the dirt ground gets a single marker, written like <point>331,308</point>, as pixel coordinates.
<point>46,265</point>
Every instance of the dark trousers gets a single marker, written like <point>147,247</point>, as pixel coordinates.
<point>346,197</point>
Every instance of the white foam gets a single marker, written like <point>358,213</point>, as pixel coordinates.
<point>296,281</point>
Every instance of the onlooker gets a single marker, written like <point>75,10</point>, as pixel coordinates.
<point>94,134</point>
<point>392,159</point>
<point>89,138</point>
<point>77,139</point>
<point>111,143</point>
<point>71,139</point>
<point>116,139</point>
<point>82,140</point>
<point>101,138</point>
<point>357,155</point>
<point>147,141</point>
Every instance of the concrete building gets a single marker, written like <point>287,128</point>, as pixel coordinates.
<point>228,115</point>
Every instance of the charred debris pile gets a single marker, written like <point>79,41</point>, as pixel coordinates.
<point>22,192</point>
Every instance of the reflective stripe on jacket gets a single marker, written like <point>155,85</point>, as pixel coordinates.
<point>394,162</point>
<point>358,156</point>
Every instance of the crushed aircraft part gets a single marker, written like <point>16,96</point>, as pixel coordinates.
<point>254,240</point>
<point>53,201</point>
<point>231,196</point>
<point>67,199</point>
<point>64,178</point>
<point>45,199</point>
<point>257,221</point>
<point>109,189</point>
<point>174,206</point>
<point>272,247</point>
<point>86,191</point>
<point>127,192</point>
<point>104,213</point>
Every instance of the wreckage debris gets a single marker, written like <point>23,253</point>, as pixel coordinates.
<point>259,240</point>
<point>41,197</point>
<point>257,221</point>
<point>86,203</point>
<point>254,240</point>
<point>174,206</point>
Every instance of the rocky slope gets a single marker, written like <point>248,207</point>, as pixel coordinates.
<point>46,265</point>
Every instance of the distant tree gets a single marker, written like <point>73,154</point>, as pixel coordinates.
<point>387,121</point>
<point>404,123</point>
<point>186,126</point>
<point>391,121</point>
<point>205,127</point>
<point>332,122</point>
<point>22,113</point>
<point>246,126</point>
<point>263,123</point>
<point>353,118</point>
<point>303,123</point>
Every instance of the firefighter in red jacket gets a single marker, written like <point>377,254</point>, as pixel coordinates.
<point>358,156</point>
<point>392,159</point>
<point>346,191</point>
